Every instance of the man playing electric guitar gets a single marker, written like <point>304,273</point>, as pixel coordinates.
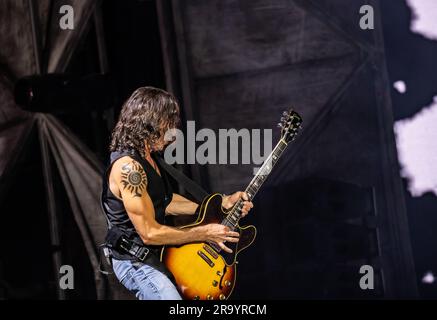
<point>137,196</point>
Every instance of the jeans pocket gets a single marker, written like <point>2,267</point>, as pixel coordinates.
<point>155,284</point>
<point>145,276</point>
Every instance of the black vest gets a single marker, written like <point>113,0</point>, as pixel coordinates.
<point>158,188</point>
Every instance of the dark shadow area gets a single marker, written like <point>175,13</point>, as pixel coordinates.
<point>422,215</point>
<point>133,46</point>
<point>314,247</point>
<point>27,265</point>
<point>26,268</point>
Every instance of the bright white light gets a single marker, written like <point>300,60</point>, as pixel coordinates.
<point>400,86</point>
<point>416,140</point>
<point>428,278</point>
<point>416,137</point>
<point>424,17</point>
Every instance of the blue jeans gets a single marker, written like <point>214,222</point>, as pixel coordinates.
<point>145,282</point>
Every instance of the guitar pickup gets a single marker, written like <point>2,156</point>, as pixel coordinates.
<point>205,257</point>
<point>210,251</point>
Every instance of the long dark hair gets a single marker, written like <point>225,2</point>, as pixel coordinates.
<point>145,117</point>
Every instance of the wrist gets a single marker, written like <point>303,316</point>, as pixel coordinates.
<point>200,233</point>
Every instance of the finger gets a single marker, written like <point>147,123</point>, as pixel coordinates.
<point>235,240</point>
<point>244,196</point>
<point>233,234</point>
<point>224,247</point>
<point>248,203</point>
<point>246,209</point>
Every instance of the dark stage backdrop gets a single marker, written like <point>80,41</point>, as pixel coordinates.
<point>335,201</point>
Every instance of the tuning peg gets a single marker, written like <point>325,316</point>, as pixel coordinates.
<point>285,113</point>
<point>280,125</point>
<point>282,119</point>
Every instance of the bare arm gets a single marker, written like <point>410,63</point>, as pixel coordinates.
<point>131,182</point>
<point>181,205</point>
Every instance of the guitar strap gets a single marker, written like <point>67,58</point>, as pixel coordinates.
<point>192,187</point>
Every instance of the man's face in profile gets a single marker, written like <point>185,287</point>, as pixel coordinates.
<point>167,136</point>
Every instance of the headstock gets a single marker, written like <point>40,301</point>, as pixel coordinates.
<point>290,124</point>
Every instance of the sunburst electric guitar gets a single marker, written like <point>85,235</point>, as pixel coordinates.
<point>202,270</point>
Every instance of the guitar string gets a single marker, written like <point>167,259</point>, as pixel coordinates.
<point>238,206</point>
<point>236,210</point>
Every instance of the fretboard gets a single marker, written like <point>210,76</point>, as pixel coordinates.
<point>252,189</point>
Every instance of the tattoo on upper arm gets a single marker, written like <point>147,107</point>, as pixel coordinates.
<point>134,178</point>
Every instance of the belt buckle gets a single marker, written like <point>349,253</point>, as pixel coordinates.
<point>144,254</point>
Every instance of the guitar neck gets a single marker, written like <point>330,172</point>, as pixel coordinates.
<point>252,189</point>
<point>263,172</point>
